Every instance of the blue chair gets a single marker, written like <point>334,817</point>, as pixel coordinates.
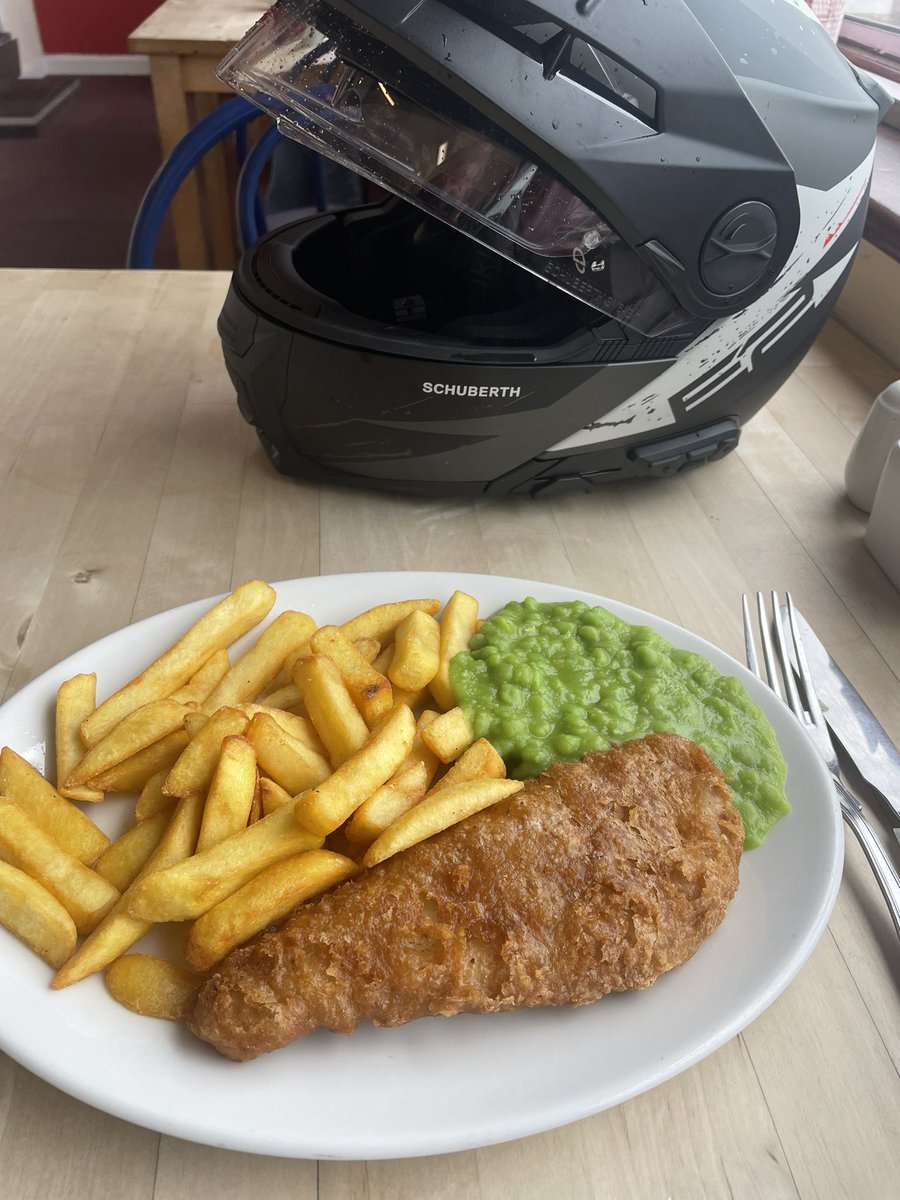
<point>231,118</point>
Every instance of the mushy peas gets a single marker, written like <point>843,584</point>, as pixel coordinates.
<point>549,682</point>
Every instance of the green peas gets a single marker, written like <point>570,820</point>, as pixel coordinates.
<point>481,724</point>
<point>523,675</point>
<point>566,744</point>
<point>486,653</point>
<point>593,741</point>
<point>553,681</point>
<point>646,656</point>
<point>573,722</point>
<point>513,728</point>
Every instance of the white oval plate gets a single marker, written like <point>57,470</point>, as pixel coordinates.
<point>434,1085</point>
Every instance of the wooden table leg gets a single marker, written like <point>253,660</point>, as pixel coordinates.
<point>174,121</point>
<point>218,194</point>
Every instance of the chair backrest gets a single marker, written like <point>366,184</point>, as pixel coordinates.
<point>249,216</point>
<point>230,118</point>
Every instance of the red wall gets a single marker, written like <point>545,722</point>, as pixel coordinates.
<point>91,26</point>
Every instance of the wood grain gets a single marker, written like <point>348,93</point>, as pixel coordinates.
<point>219,180</point>
<point>195,26</point>
<point>189,1172</point>
<point>129,483</point>
<point>173,120</point>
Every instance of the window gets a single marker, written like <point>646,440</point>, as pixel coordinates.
<point>870,36</point>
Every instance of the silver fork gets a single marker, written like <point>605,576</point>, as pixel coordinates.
<point>808,712</point>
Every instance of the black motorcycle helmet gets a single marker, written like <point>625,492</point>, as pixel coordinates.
<point>614,229</point>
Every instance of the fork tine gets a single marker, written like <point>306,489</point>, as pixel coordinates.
<point>794,702</point>
<point>812,700</point>
<point>768,653</point>
<point>749,641</point>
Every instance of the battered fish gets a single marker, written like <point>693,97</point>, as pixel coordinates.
<point>596,878</point>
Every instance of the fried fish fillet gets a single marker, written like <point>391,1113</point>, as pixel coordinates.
<point>597,877</point>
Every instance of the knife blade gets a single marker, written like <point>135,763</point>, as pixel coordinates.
<point>853,723</point>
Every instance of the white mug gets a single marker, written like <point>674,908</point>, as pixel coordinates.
<point>871,448</point>
<point>882,537</point>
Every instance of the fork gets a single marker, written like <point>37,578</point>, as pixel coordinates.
<point>807,710</point>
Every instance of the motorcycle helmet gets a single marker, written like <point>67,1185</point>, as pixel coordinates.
<point>603,233</point>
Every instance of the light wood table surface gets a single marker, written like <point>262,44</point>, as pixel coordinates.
<point>185,41</point>
<point>130,484</point>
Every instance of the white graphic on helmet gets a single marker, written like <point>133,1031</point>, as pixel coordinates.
<point>797,307</point>
<point>728,348</point>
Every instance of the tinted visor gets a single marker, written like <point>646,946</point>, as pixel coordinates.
<point>324,81</point>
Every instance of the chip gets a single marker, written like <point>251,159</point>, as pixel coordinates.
<point>84,894</point>
<point>193,886</point>
<point>35,916</point>
<point>262,662</point>
<point>61,820</point>
<point>194,769</point>
<point>223,624</point>
<point>152,986</point>
<point>265,900</point>
<point>230,796</point>
<point>119,930</point>
<point>75,700</point>
<point>322,809</point>
<point>438,811</point>
<point>140,729</point>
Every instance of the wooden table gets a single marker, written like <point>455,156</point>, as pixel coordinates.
<point>131,484</point>
<point>185,41</point>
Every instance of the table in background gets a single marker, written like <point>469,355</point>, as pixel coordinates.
<point>185,41</point>
<point>131,484</point>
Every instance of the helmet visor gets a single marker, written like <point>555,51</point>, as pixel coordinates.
<point>316,73</point>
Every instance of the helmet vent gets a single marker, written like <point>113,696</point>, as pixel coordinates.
<point>594,69</point>
<point>556,52</point>
<point>559,51</point>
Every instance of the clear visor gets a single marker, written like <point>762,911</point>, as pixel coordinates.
<point>299,63</point>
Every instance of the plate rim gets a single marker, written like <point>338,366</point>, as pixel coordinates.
<point>503,1127</point>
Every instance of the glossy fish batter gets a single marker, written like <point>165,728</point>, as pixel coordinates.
<point>598,877</point>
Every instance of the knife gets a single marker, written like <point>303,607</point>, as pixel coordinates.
<point>853,724</point>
